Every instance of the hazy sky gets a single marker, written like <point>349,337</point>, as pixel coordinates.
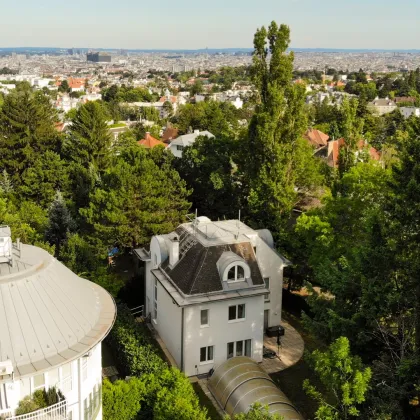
<point>392,24</point>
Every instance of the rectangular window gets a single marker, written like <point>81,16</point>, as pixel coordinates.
<point>239,348</point>
<point>236,312</point>
<point>204,317</point>
<point>179,147</point>
<point>4,404</point>
<point>267,286</point>
<point>241,311</point>
<point>39,382</point>
<point>206,354</point>
<point>230,350</point>
<point>53,378</point>
<point>66,378</point>
<point>85,367</point>
<point>232,313</point>
<point>248,348</point>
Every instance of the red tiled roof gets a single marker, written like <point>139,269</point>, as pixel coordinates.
<point>404,99</point>
<point>169,134</point>
<point>334,150</point>
<point>316,138</point>
<point>165,98</point>
<point>150,142</point>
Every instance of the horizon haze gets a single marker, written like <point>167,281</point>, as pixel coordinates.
<point>358,25</point>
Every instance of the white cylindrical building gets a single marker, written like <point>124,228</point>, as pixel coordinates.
<point>52,323</point>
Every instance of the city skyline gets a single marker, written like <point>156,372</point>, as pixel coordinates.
<point>130,25</point>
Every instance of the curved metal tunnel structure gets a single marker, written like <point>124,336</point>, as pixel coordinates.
<point>240,382</point>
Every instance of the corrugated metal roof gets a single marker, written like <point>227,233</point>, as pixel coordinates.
<point>240,382</point>
<point>48,315</point>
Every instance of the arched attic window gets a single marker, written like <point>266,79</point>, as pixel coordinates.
<point>236,273</point>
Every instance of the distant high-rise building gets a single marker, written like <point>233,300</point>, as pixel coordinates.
<point>70,51</point>
<point>99,57</point>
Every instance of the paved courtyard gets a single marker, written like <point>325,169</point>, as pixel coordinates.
<point>289,353</point>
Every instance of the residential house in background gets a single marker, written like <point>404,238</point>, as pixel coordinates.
<point>169,134</point>
<point>382,106</point>
<point>76,84</point>
<point>177,146</point>
<point>405,100</point>
<point>211,288</point>
<point>316,138</point>
<point>149,142</point>
<point>408,111</point>
<point>334,147</point>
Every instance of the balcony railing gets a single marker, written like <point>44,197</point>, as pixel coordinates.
<point>4,414</point>
<point>54,412</point>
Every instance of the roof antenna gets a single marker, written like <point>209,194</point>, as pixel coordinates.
<point>239,214</point>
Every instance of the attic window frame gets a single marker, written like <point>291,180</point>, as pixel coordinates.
<point>236,278</point>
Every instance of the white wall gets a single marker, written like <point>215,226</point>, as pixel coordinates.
<point>271,266</point>
<point>177,153</point>
<point>408,111</point>
<point>168,323</point>
<point>221,331</point>
<point>75,390</point>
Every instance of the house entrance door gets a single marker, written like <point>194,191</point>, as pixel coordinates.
<point>266,315</point>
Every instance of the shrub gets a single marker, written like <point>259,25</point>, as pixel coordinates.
<point>39,399</point>
<point>121,399</point>
<point>133,346</point>
<point>162,392</point>
<point>26,405</point>
<point>176,398</point>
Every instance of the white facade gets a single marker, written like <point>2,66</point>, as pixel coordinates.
<point>189,323</point>
<point>382,106</point>
<point>177,146</point>
<point>80,382</point>
<point>237,102</point>
<point>408,111</point>
<point>52,323</point>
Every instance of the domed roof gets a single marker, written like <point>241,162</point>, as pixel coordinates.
<point>48,315</point>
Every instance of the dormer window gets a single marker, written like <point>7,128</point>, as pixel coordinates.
<point>236,273</point>
<point>233,268</point>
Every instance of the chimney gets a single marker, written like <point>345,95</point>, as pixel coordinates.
<point>173,251</point>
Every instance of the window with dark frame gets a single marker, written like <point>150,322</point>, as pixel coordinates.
<point>204,317</point>
<point>236,312</point>
<point>236,273</point>
<point>239,348</point>
<point>267,286</point>
<point>206,354</point>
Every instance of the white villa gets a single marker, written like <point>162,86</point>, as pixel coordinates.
<point>52,323</point>
<point>177,146</point>
<point>408,111</point>
<point>211,288</point>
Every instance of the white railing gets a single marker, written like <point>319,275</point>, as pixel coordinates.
<point>4,414</point>
<point>54,412</point>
